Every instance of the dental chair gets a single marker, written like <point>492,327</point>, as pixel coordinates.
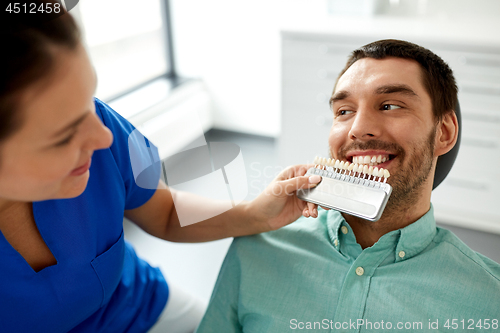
<point>446,161</point>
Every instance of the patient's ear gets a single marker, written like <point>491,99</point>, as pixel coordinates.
<point>446,134</point>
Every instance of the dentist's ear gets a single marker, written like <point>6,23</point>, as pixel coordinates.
<point>446,134</point>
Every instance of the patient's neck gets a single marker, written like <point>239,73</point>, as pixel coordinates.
<point>395,216</point>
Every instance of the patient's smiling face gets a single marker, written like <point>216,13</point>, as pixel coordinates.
<point>381,108</point>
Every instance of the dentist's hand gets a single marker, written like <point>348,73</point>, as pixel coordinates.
<point>278,205</point>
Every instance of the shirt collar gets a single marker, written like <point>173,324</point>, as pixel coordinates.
<point>409,241</point>
<point>415,237</point>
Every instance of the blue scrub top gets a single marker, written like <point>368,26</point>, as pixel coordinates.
<point>98,283</point>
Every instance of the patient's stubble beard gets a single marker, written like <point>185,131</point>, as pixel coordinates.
<point>414,169</point>
<point>407,182</point>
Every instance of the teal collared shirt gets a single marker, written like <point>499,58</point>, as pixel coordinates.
<point>312,276</point>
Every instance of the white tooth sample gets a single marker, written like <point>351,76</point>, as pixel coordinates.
<point>336,165</point>
<point>346,166</point>
<point>375,172</point>
<point>381,172</point>
<point>328,161</point>
<point>366,160</point>
<point>370,170</point>
<point>379,158</point>
<point>374,159</point>
<point>386,174</point>
<point>341,165</point>
<point>365,169</point>
<point>350,167</point>
<point>355,167</point>
<point>317,160</point>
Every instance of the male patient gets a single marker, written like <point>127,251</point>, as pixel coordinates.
<point>340,272</point>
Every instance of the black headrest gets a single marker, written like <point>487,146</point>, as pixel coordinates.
<point>445,162</point>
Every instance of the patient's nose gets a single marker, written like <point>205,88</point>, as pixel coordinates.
<point>366,125</point>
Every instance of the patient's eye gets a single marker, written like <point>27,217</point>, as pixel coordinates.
<point>344,112</point>
<point>390,107</point>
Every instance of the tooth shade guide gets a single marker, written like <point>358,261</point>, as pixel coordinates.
<point>350,187</point>
<point>352,172</point>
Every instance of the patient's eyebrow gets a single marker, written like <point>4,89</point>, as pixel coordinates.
<point>396,88</point>
<point>338,96</point>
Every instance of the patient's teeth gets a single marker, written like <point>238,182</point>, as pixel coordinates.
<point>384,159</point>
<point>374,159</point>
<point>366,160</point>
<point>379,158</point>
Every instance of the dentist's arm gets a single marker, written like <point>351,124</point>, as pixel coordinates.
<point>277,206</point>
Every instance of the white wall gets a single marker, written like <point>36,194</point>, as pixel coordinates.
<point>234,45</point>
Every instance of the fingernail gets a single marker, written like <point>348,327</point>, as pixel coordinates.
<point>314,179</point>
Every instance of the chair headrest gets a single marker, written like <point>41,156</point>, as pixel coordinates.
<point>445,162</point>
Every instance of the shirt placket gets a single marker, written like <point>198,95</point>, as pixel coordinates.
<point>356,286</point>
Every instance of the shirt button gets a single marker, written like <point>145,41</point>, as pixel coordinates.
<point>360,271</point>
<point>401,254</point>
<point>344,229</point>
<point>336,242</point>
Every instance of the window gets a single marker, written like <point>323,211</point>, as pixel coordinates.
<point>129,43</point>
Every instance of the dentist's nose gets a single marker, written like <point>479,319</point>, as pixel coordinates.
<point>99,136</point>
<point>366,124</point>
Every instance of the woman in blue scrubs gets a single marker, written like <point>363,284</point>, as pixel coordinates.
<point>66,182</point>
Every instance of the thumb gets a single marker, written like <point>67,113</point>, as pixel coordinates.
<point>287,187</point>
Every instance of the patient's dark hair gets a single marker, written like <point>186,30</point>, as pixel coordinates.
<point>438,79</point>
<point>30,43</point>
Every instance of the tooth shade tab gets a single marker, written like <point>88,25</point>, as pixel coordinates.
<point>375,172</point>
<point>365,169</point>
<point>386,174</point>
<point>350,167</point>
<point>370,170</point>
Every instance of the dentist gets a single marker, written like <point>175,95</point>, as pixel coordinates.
<point>66,183</point>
